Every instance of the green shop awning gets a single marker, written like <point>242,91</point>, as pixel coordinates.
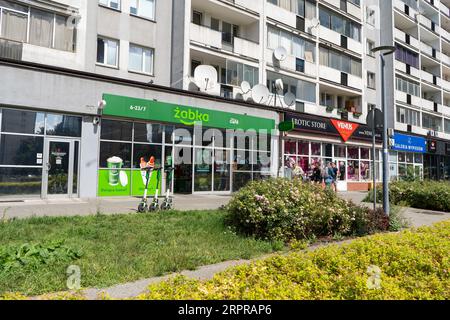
<point>150,110</point>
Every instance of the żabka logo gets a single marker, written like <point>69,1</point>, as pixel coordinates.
<point>189,117</point>
<point>345,129</point>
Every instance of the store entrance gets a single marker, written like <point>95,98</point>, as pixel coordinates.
<point>60,173</point>
<point>212,170</point>
<point>342,175</point>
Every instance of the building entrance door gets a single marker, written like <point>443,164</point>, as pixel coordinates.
<point>60,174</point>
<point>342,175</point>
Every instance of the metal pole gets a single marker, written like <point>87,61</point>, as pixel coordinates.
<point>374,141</point>
<point>386,206</point>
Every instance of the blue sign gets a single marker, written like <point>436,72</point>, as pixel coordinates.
<point>409,143</point>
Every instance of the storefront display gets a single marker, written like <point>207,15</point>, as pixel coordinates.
<point>206,159</point>
<point>350,151</point>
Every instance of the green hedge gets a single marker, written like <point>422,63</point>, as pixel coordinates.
<point>281,209</point>
<point>429,195</point>
<point>414,264</point>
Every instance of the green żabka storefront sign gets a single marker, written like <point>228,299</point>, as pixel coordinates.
<point>149,110</point>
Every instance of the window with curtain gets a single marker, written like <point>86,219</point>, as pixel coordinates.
<point>296,46</point>
<point>41,28</point>
<point>108,52</point>
<point>64,34</point>
<point>14,25</point>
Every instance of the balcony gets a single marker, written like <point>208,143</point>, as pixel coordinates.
<point>401,6</point>
<point>401,96</point>
<point>206,36</point>
<point>402,36</point>
<point>401,66</point>
<point>336,76</point>
<point>430,78</point>
<point>444,9</point>
<point>445,85</point>
<point>246,48</point>
<point>429,50</point>
<point>428,23</point>
<point>290,64</point>
<point>336,38</point>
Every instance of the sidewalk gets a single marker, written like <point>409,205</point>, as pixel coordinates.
<point>80,207</point>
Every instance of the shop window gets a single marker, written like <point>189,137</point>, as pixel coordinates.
<point>184,136</point>
<point>20,181</point>
<point>366,170</point>
<point>20,150</point>
<point>17,121</point>
<point>290,147</point>
<point>353,153</point>
<point>63,125</point>
<point>240,180</point>
<point>115,149</point>
<point>242,160</point>
<point>401,157</point>
<point>315,149</point>
<point>353,171</point>
<point>148,132</point>
<point>365,153</point>
<point>303,148</point>
<point>116,130</point>
<point>146,151</point>
<point>340,152</point>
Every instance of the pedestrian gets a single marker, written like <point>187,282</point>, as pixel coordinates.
<point>335,175</point>
<point>329,175</point>
<point>317,176</point>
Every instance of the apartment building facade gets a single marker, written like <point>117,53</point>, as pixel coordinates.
<point>87,82</point>
<point>418,86</point>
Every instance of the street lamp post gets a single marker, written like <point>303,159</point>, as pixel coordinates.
<point>385,51</point>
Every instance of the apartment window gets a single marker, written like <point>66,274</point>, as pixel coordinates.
<point>296,46</point>
<point>303,90</point>
<point>431,122</point>
<point>341,62</point>
<point>340,24</point>
<point>108,52</point>
<point>143,8</point>
<point>114,4</point>
<point>42,28</point>
<point>197,18</point>
<point>327,100</point>
<point>408,116</point>
<point>447,125</point>
<point>13,23</point>
<point>407,86</point>
<point>303,8</point>
<point>370,47</point>
<point>407,56</point>
<point>215,24</point>
<point>370,16</point>
<point>371,80</point>
<point>237,72</point>
<point>141,59</point>
<point>299,65</point>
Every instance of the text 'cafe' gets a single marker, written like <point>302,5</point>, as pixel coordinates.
<point>318,140</point>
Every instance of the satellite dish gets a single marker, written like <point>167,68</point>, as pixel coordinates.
<point>260,94</point>
<point>205,77</point>
<point>245,87</point>
<point>290,99</point>
<point>280,53</point>
<point>315,23</point>
<point>279,86</point>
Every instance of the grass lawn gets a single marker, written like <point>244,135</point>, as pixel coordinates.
<point>123,248</point>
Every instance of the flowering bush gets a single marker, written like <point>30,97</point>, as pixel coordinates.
<point>412,265</point>
<point>281,209</point>
<point>429,195</point>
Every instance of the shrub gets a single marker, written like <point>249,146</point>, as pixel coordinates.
<point>414,265</point>
<point>281,209</point>
<point>428,195</point>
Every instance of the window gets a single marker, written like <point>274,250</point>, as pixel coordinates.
<point>114,4</point>
<point>63,125</point>
<point>447,125</point>
<point>370,47</point>
<point>370,16</point>
<point>340,24</point>
<point>327,100</point>
<point>14,24</point>
<point>303,8</point>
<point>236,72</point>
<point>407,56</point>
<point>39,27</point>
<point>407,86</point>
<point>143,8</point>
<point>341,62</point>
<point>296,46</point>
<point>371,80</point>
<point>141,59</point>
<point>303,90</point>
<point>197,18</point>
<point>408,116</point>
<point>431,122</point>
<point>108,52</point>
